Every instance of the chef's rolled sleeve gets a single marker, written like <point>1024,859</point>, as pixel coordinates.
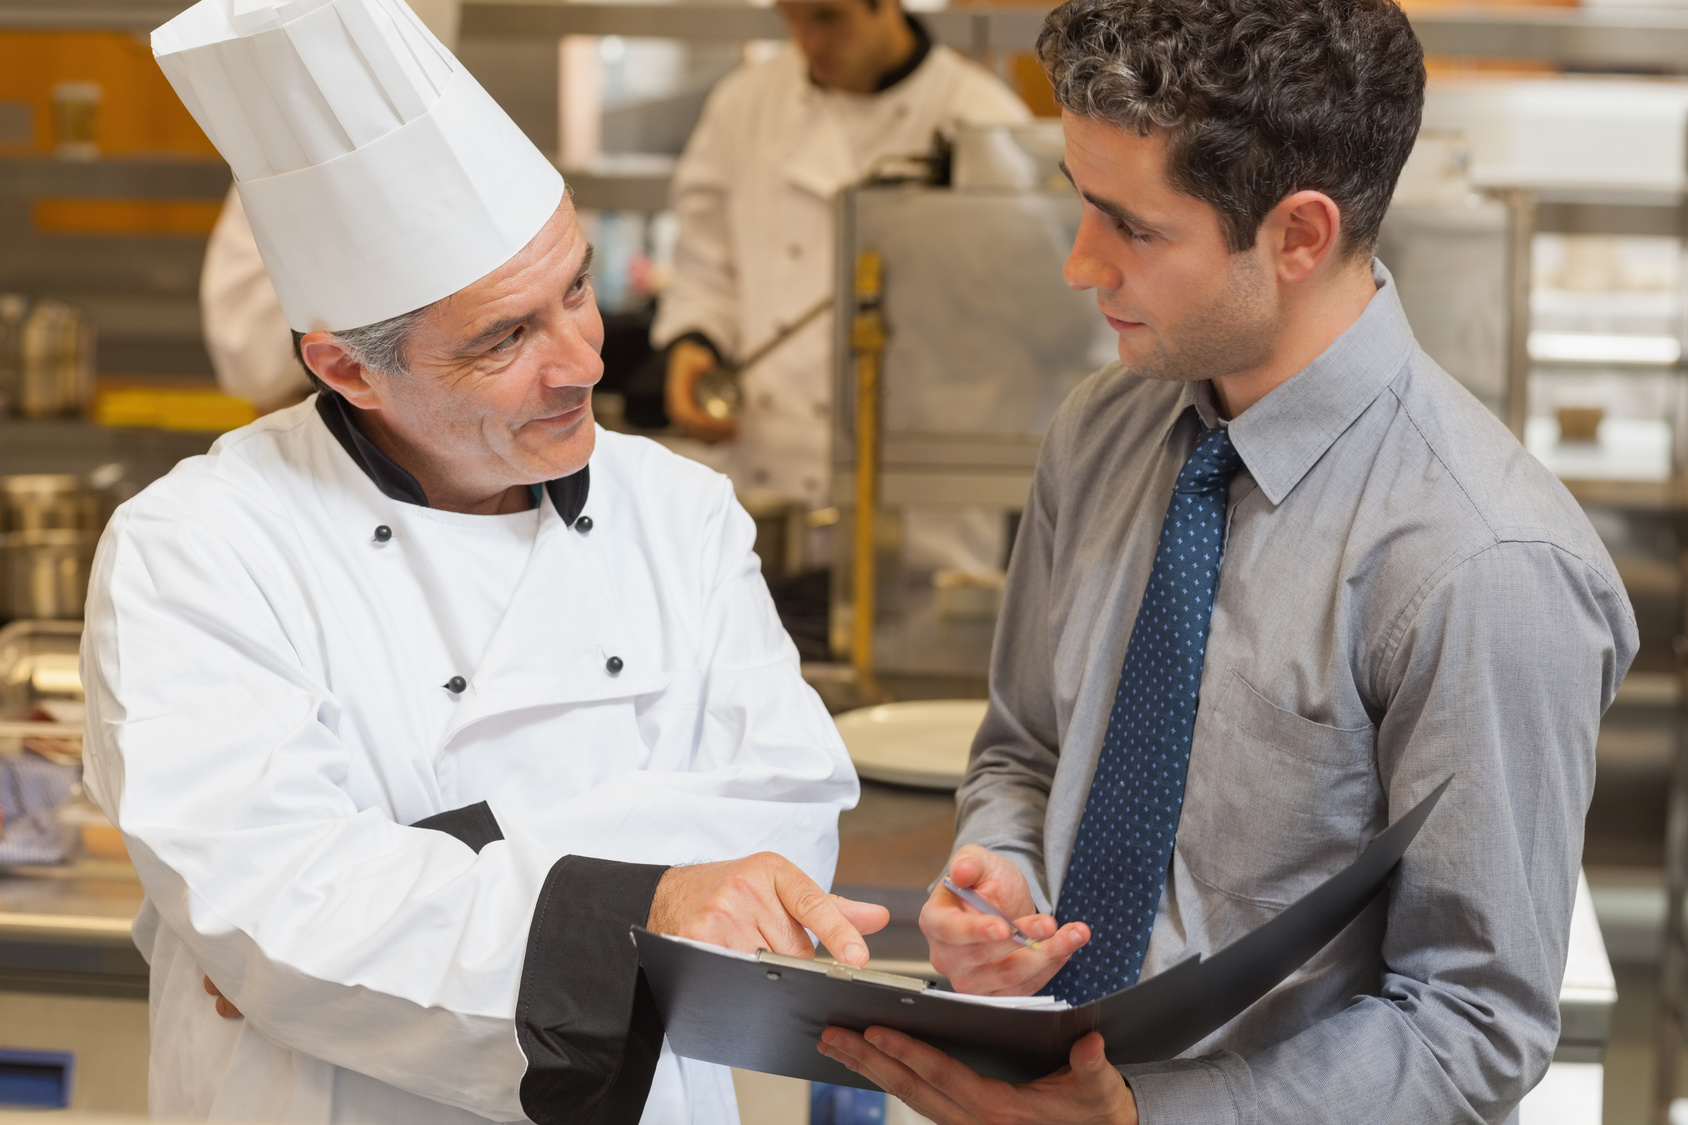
<point>586,1023</point>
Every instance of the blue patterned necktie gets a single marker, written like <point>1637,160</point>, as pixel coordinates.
<point>1125,840</point>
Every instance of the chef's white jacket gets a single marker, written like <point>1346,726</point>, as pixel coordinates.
<point>269,632</point>
<point>754,193</point>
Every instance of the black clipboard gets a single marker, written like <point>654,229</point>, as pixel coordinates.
<point>767,1015</point>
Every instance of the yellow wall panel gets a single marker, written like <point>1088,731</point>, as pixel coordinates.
<point>188,217</point>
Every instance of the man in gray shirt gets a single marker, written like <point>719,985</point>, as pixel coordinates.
<point>1278,577</point>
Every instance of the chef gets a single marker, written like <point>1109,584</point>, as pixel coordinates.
<point>860,85</point>
<point>412,699</point>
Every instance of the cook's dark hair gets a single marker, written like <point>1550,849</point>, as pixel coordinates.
<point>1257,99</point>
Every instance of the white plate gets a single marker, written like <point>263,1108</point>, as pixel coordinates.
<point>923,743</point>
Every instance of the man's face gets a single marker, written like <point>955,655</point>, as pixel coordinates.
<point>1184,305</point>
<point>501,373</point>
<point>845,42</point>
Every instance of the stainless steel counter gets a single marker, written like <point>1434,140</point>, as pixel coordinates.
<point>72,445</point>
<point>65,930</point>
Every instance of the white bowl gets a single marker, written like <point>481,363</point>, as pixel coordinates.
<point>923,743</point>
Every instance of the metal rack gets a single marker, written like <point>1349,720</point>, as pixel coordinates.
<point>115,178</point>
<point>1641,40</point>
<point>1651,40</point>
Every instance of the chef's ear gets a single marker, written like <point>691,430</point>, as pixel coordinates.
<point>333,363</point>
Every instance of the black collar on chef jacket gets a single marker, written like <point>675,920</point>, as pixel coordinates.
<point>922,48</point>
<point>394,480</point>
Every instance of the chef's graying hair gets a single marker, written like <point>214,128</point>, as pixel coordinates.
<point>379,346</point>
<point>1257,99</point>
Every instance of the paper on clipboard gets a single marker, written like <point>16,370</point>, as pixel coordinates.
<point>733,1009</point>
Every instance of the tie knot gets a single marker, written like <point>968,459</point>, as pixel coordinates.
<point>1211,464</point>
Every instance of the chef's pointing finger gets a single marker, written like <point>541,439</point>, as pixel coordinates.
<point>804,900</point>
<point>868,917</point>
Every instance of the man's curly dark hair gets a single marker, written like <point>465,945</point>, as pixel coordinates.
<point>1257,99</point>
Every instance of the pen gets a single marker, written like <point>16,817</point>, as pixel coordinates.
<point>984,905</point>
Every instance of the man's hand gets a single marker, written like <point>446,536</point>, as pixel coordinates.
<point>689,361</point>
<point>225,1009</point>
<point>974,950</point>
<point>1087,1091</point>
<point>763,901</point>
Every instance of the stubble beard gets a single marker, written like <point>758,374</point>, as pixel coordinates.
<point>1233,332</point>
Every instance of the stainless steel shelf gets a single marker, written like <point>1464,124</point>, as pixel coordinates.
<point>82,15</point>
<point>1603,216</point>
<point>73,445</point>
<point>975,31</point>
<point>1653,496</point>
<point>1645,39</point>
<point>623,189</point>
<point>1606,37</point>
<point>563,17</point>
<point>114,178</point>
<point>1638,38</point>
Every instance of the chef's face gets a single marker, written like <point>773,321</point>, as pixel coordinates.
<point>499,387</point>
<point>1184,305</point>
<point>848,44</point>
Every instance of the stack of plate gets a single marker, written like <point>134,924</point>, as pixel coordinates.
<point>924,744</point>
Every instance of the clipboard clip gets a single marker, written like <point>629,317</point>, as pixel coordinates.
<point>837,970</point>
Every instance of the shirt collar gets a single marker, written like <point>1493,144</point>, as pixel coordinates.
<point>1283,435</point>
<point>568,493</point>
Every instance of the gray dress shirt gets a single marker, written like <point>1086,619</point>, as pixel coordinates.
<point>1405,595</point>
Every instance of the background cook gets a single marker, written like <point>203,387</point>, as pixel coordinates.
<point>859,84</point>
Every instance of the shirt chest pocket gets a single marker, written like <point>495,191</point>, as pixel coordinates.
<point>1275,803</point>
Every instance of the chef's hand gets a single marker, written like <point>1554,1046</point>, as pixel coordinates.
<point>689,361</point>
<point>1087,1091</point>
<point>974,950</point>
<point>763,901</point>
<point>225,1009</point>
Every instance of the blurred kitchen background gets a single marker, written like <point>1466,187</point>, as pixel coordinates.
<point>1537,238</point>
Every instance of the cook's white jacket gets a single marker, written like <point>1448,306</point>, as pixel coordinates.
<point>266,715</point>
<point>754,193</point>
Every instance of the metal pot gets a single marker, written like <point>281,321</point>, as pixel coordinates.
<point>49,526</point>
<point>56,361</point>
<point>781,527</point>
<point>47,502</point>
<point>44,573</point>
<point>14,310</point>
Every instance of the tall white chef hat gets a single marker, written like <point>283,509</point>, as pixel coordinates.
<point>377,174</point>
